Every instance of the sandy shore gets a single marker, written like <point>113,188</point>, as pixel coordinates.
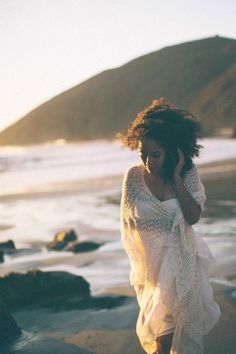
<point>113,331</point>
<point>217,169</point>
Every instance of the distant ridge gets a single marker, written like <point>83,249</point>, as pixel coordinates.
<point>199,76</point>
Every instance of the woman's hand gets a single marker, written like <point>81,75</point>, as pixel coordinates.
<point>180,165</point>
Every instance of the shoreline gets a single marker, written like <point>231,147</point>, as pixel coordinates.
<point>208,171</point>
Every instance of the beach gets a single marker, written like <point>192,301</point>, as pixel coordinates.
<point>111,329</point>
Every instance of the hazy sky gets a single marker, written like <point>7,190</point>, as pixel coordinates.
<point>49,46</point>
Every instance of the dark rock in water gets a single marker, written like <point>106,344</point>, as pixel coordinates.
<point>56,246</point>
<point>85,246</point>
<point>8,326</point>
<point>65,236</point>
<point>7,247</point>
<point>1,256</point>
<point>61,240</point>
<point>41,288</point>
<point>57,291</point>
<point>65,240</point>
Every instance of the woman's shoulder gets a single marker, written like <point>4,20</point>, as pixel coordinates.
<point>134,169</point>
<point>133,173</point>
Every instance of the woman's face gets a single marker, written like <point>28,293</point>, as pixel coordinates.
<point>152,155</point>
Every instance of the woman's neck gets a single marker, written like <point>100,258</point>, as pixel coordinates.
<point>153,178</point>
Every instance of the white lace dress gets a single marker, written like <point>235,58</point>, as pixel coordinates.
<point>169,265</point>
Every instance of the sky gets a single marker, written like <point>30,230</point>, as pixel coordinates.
<point>49,46</point>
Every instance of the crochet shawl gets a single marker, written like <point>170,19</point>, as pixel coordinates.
<point>162,254</point>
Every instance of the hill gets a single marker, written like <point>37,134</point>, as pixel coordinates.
<point>199,76</point>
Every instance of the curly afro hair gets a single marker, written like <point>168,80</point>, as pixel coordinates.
<point>169,126</point>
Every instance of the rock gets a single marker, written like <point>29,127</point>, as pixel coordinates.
<point>61,240</point>
<point>7,247</point>
<point>58,291</point>
<point>56,246</point>
<point>1,256</point>
<point>8,326</point>
<point>85,246</point>
<point>65,236</point>
<point>36,287</point>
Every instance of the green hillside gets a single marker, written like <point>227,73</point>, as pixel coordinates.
<point>199,76</point>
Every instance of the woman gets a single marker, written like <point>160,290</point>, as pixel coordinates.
<point>161,199</point>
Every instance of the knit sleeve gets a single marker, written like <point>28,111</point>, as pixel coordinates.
<point>125,203</point>
<point>129,235</point>
<point>195,187</point>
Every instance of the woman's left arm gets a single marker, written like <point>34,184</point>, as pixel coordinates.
<point>187,196</point>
